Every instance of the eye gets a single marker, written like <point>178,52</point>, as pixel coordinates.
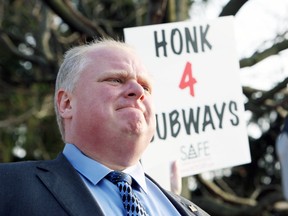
<point>146,88</point>
<point>115,80</point>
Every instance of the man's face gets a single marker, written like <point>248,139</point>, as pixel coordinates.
<point>112,102</point>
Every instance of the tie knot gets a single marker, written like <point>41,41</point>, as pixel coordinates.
<point>117,176</point>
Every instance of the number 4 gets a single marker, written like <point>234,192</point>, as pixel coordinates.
<point>187,79</point>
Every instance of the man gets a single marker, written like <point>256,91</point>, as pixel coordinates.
<point>103,104</point>
<point>282,150</point>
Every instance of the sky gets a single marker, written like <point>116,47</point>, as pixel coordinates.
<point>257,24</point>
<point>269,19</point>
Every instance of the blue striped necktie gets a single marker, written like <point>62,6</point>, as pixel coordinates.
<point>131,203</point>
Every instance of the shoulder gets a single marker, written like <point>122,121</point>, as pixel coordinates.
<point>16,167</point>
<point>180,202</point>
<point>24,169</point>
<point>189,205</point>
<point>17,177</point>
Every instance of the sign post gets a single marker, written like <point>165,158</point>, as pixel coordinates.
<point>198,96</point>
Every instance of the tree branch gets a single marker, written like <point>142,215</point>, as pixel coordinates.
<point>4,38</point>
<point>228,197</point>
<point>232,7</point>
<point>259,56</point>
<point>266,95</point>
<point>76,21</point>
<point>156,11</point>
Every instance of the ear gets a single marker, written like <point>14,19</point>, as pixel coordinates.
<point>64,104</point>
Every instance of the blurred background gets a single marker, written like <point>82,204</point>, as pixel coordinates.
<point>34,34</point>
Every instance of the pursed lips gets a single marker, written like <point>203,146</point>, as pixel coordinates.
<point>131,106</point>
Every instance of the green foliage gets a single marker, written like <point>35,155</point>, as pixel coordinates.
<point>35,34</point>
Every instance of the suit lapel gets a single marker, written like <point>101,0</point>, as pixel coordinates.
<point>67,187</point>
<point>184,207</point>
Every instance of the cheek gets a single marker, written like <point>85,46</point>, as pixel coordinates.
<point>150,115</point>
<point>87,116</point>
<point>95,106</point>
<point>84,105</point>
<point>92,98</point>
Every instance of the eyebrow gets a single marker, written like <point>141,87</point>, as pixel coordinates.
<point>143,78</point>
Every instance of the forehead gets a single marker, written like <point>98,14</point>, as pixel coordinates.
<point>117,58</point>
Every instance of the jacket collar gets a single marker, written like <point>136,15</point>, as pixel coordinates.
<point>184,206</point>
<point>62,180</point>
<point>65,184</point>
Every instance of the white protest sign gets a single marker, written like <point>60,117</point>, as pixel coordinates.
<point>198,96</point>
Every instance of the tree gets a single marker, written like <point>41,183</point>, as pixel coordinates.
<point>35,34</point>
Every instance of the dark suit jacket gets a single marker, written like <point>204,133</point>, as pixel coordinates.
<point>55,188</point>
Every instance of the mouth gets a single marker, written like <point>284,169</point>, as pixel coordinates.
<point>133,107</point>
<point>129,107</point>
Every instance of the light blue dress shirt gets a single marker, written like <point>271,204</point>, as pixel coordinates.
<point>106,193</point>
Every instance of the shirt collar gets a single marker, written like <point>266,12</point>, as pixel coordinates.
<point>138,175</point>
<point>95,171</point>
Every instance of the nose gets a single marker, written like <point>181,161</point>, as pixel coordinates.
<point>135,90</point>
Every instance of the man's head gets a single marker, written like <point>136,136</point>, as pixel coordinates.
<point>104,104</point>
